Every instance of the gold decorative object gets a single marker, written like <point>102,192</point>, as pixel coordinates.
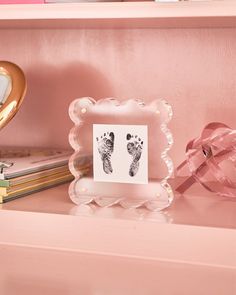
<point>12,91</point>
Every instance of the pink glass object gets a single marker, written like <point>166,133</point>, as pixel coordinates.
<point>156,193</point>
<point>211,159</point>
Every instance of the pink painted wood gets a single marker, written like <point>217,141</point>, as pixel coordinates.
<point>121,15</point>
<point>57,254</point>
<point>198,207</point>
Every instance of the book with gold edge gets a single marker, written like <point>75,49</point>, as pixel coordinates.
<point>35,187</point>
<point>33,176</point>
<point>4,191</point>
<point>28,170</point>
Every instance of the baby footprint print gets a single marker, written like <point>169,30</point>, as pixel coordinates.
<point>134,148</point>
<point>105,149</point>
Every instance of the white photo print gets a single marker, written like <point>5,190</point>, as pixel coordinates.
<point>120,153</point>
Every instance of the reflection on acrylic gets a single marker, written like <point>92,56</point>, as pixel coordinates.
<point>126,145</point>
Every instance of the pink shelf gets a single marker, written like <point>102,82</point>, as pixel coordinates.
<point>197,208</point>
<point>49,244</point>
<point>52,252</point>
<point>82,234</point>
<point>120,15</point>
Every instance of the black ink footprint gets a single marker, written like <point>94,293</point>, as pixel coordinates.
<point>105,149</point>
<point>134,148</point>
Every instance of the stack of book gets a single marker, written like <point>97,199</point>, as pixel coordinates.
<point>24,171</point>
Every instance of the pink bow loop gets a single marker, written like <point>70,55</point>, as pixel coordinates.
<point>211,159</point>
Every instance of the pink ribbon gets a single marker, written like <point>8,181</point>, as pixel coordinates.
<point>211,159</point>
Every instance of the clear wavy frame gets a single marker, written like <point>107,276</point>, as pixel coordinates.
<point>78,109</point>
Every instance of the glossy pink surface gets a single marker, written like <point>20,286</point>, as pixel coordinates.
<point>151,14</point>
<point>43,271</point>
<point>198,207</point>
<point>57,254</point>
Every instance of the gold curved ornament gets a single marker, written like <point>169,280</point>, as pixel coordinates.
<point>14,91</point>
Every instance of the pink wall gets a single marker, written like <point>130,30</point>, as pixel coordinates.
<point>194,69</point>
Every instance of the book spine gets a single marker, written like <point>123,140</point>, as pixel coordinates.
<point>4,183</point>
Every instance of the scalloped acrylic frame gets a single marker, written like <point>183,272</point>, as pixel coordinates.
<point>90,116</point>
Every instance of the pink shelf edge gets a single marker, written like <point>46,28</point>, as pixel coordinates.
<point>113,15</point>
<point>123,238</point>
<point>123,10</point>
<point>119,15</point>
